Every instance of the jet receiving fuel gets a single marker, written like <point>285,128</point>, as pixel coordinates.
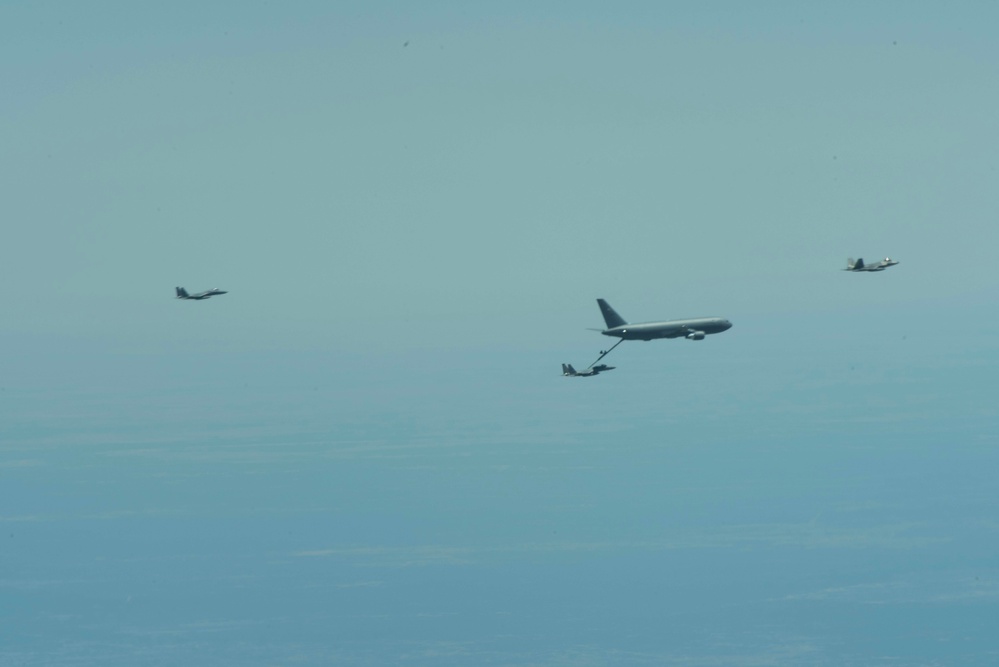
<point>695,329</point>
<point>860,266</point>
<point>215,291</point>
<point>570,372</point>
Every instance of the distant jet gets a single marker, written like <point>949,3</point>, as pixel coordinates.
<point>695,329</point>
<point>569,371</point>
<point>860,266</point>
<point>182,294</point>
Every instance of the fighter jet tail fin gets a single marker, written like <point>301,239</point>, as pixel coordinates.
<point>569,369</point>
<point>182,293</point>
<point>610,315</point>
<point>859,264</point>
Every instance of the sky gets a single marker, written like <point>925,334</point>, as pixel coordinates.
<point>364,453</point>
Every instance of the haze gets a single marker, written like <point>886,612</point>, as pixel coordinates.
<point>365,453</point>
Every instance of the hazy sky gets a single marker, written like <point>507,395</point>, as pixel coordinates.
<point>364,454</point>
<point>494,175</point>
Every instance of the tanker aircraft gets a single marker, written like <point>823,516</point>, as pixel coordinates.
<point>695,329</point>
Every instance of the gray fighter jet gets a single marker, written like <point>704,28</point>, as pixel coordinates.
<point>860,266</point>
<point>570,372</point>
<point>695,329</point>
<point>182,294</point>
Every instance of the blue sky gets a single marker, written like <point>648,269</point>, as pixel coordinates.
<point>364,454</point>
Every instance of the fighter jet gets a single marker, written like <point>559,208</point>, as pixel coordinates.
<point>695,329</point>
<point>860,266</point>
<point>570,372</point>
<point>182,294</point>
